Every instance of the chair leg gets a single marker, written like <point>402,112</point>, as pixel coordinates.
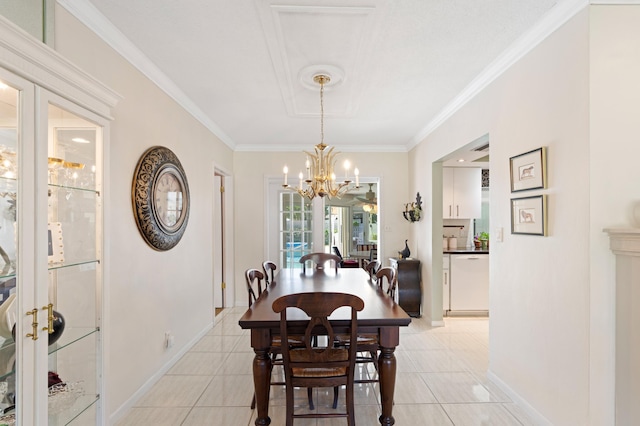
<point>310,397</point>
<point>289,396</point>
<point>335,396</point>
<point>351,416</point>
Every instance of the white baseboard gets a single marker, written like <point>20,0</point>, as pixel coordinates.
<point>437,323</point>
<point>533,414</point>
<point>130,403</point>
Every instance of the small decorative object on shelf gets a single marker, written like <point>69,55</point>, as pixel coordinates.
<point>406,252</point>
<point>413,211</point>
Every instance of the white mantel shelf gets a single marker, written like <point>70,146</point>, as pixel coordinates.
<point>624,241</point>
<point>625,244</point>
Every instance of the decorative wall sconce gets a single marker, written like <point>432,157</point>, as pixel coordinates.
<point>413,211</point>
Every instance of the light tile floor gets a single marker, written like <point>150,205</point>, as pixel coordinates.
<point>441,381</point>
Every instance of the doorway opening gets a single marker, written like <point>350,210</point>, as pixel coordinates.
<point>461,216</point>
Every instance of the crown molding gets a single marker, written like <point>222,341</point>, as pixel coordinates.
<point>528,41</point>
<point>30,58</point>
<point>90,16</point>
<point>299,148</point>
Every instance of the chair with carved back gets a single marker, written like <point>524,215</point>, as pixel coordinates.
<point>373,256</point>
<point>254,283</point>
<point>387,274</point>
<point>372,269</point>
<point>319,260</point>
<point>269,269</point>
<point>314,365</point>
<point>253,279</point>
<point>367,343</point>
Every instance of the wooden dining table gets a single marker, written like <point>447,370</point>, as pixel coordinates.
<point>381,315</point>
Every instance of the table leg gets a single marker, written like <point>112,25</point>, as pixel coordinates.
<point>387,371</point>
<point>261,382</point>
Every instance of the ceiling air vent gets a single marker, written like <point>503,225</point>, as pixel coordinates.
<point>483,148</point>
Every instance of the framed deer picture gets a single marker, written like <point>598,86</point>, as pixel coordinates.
<point>529,215</point>
<point>528,170</point>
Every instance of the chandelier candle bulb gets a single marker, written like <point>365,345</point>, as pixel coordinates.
<point>301,176</point>
<point>285,170</point>
<point>357,173</point>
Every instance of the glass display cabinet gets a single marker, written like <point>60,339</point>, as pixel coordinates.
<point>53,125</point>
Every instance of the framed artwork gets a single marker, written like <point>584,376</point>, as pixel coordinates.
<point>529,215</point>
<point>55,246</point>
<point>529,170</point>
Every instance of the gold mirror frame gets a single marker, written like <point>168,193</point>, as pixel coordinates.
<point>155,161</point>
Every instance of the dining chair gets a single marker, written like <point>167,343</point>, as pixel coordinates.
<point>345,263</point>
<point>373,256</point>
<point>319,260</point>
<point>367,343</point>
<point>254,280</point>
<point>269,269</point>
<point>314,366</point>
<point>389,274</point>
<point>372,269</point>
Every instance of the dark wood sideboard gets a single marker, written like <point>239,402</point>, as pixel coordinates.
<point>409,286</point>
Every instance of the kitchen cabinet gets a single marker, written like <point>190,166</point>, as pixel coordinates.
<point>409,292</point>
<point>461,192</point>
<point>54,125</point>
<point>446,288</point>
<point>469,281</point>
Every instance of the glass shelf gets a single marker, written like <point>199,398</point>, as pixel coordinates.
<point>76,407</point>
<point>73,188</point>
<point>69,336</point>
<point>65,407</point>
<point>64,265</point>
<point>52,267</point>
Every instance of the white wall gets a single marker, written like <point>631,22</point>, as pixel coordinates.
<point>148,292</point>
<point>614,177</point>
<point>539,297</point>
<point>252,168</point>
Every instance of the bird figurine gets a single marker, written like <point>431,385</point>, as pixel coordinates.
<point>406,252</point>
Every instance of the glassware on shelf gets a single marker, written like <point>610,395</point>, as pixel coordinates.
<point>54,164</point>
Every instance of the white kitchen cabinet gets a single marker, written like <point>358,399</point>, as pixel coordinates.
<point>461,192</point>
<point>54,126</point>
<point>446,287</point>
<point>469,282</point>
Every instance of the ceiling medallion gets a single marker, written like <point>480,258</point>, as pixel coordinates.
<point>321,177</point>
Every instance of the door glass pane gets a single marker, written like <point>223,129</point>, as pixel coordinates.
<point>296,235</point>
<point>74,263</point>
<point>9,152</point>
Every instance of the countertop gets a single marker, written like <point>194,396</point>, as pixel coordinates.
<point>465,251</point>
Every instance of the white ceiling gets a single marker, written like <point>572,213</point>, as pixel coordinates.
<point>244,67</point>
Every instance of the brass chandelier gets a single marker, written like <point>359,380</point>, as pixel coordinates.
<point>321,178</point>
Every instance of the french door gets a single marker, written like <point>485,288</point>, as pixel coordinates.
<point>296,226</point>
<point>293,228</point>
